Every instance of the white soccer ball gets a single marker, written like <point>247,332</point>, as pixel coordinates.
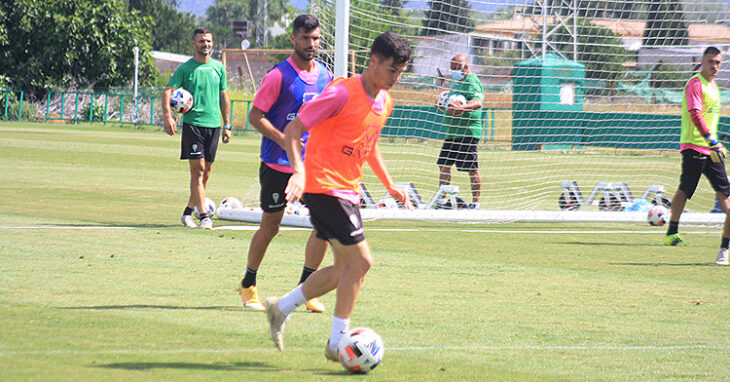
<point>441,99</point>
<point>387,202</point>
<point>181,101</point>
<point>360,350</point>
<point>658,215</point>
<point>456,100</point>
<point>209,205</point>
<point>230,203</point>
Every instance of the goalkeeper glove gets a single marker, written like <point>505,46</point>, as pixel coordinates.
<point>717,150</point>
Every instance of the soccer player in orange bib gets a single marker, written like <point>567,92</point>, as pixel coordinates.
<point>344,124</point>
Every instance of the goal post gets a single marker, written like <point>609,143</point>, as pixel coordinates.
<point>584,93</point>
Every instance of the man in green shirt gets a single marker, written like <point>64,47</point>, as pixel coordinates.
<point>205,79</point>
<point>464,123</point>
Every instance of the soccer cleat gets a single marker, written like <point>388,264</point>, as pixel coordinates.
<point>722,257</point>
<point>675,241</point>
<point>250,298</point>
<point>331,354</point>
<point>473,206</point>
<point>315,306</point>
<point>188,221</point>
<point>206,223</point>
<point>277,320</point>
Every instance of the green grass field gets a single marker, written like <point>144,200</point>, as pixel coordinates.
<point>100,282</point>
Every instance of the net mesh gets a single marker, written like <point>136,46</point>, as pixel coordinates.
<point>574,91</point>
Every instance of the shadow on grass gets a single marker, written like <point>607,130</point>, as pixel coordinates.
<point>111,225</point>
<point>160,307</point>
<point>227,366</point>
<point>658,244</point>
<point>666,264</point>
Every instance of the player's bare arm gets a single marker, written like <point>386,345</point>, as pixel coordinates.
<point>293,146</point>
<point>257,119</point>
<point>225,104</point>
<point>170,125</point>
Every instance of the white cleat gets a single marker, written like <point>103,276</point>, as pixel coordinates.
<point>206,223</point>
<point>188,221</point>
<point>722,257</point>
<point>331,354</point>
<point>277,320</point>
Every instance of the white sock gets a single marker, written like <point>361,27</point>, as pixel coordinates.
<point>339,327</point>
<point>292,300</point>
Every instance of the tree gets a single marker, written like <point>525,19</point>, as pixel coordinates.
<point>625,9</point>
<point>223,12</point>
<point>448,16</point>
<point>664,24</point>
<point>599,49</point>
<point>172,31</point>
<point>67,43</point>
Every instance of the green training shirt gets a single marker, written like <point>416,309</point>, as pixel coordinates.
<point>470,123</point>
<point>710,112</point>
<point>204,82</point>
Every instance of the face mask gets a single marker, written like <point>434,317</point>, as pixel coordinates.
<point>457,75</point>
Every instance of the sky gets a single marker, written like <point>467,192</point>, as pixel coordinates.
<point>198,7</point>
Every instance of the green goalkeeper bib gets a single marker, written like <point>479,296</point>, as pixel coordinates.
<point>710,113</point>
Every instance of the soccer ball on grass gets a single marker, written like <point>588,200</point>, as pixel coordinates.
<point>181,101</point>
<point>657,215</point>
<point>230,203</point>
<point>209,205</point>
<point>360,350</point>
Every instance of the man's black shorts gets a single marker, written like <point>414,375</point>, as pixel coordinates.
<point>463,151</point>
<point>273,183</point>
<point>695,164</point>
<point>199,142</point>
<point>335,218</point>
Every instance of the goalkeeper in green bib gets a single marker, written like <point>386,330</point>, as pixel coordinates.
<point>701,152</point>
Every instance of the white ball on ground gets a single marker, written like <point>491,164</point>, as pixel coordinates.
<point>209,205</point>
<point>360,350</point>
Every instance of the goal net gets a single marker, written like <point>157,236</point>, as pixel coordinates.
<point>582,99</point>
<point>582,102</point>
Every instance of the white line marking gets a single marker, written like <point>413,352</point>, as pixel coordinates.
<point>65,227</point>
<point>396,348</point>
<point>284,228</point>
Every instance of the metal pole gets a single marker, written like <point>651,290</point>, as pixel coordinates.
<point>136,81</point>
<point>342,28</point>
<point>544,28</point>
<point>575,30</point>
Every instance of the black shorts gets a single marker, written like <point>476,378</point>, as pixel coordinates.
<point>695,164</point>
<point>199,142</point>
<point>335,218</point>
<point>463,151</point>
<point>273,183</point>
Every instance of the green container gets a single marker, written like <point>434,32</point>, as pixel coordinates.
<point>553,85</point>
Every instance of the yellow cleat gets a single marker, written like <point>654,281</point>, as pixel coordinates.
<point>675,241</point>
<point>315,306</point>
<point>250,298</point>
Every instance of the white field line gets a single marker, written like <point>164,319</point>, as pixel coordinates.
<point>5,353</point>
<point>255,227</point>
<point>64,227</point>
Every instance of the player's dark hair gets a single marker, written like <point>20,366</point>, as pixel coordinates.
<point>389,45</point>
<point>712,51</point>
<point>305,22</point>
<point>200,30</point>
